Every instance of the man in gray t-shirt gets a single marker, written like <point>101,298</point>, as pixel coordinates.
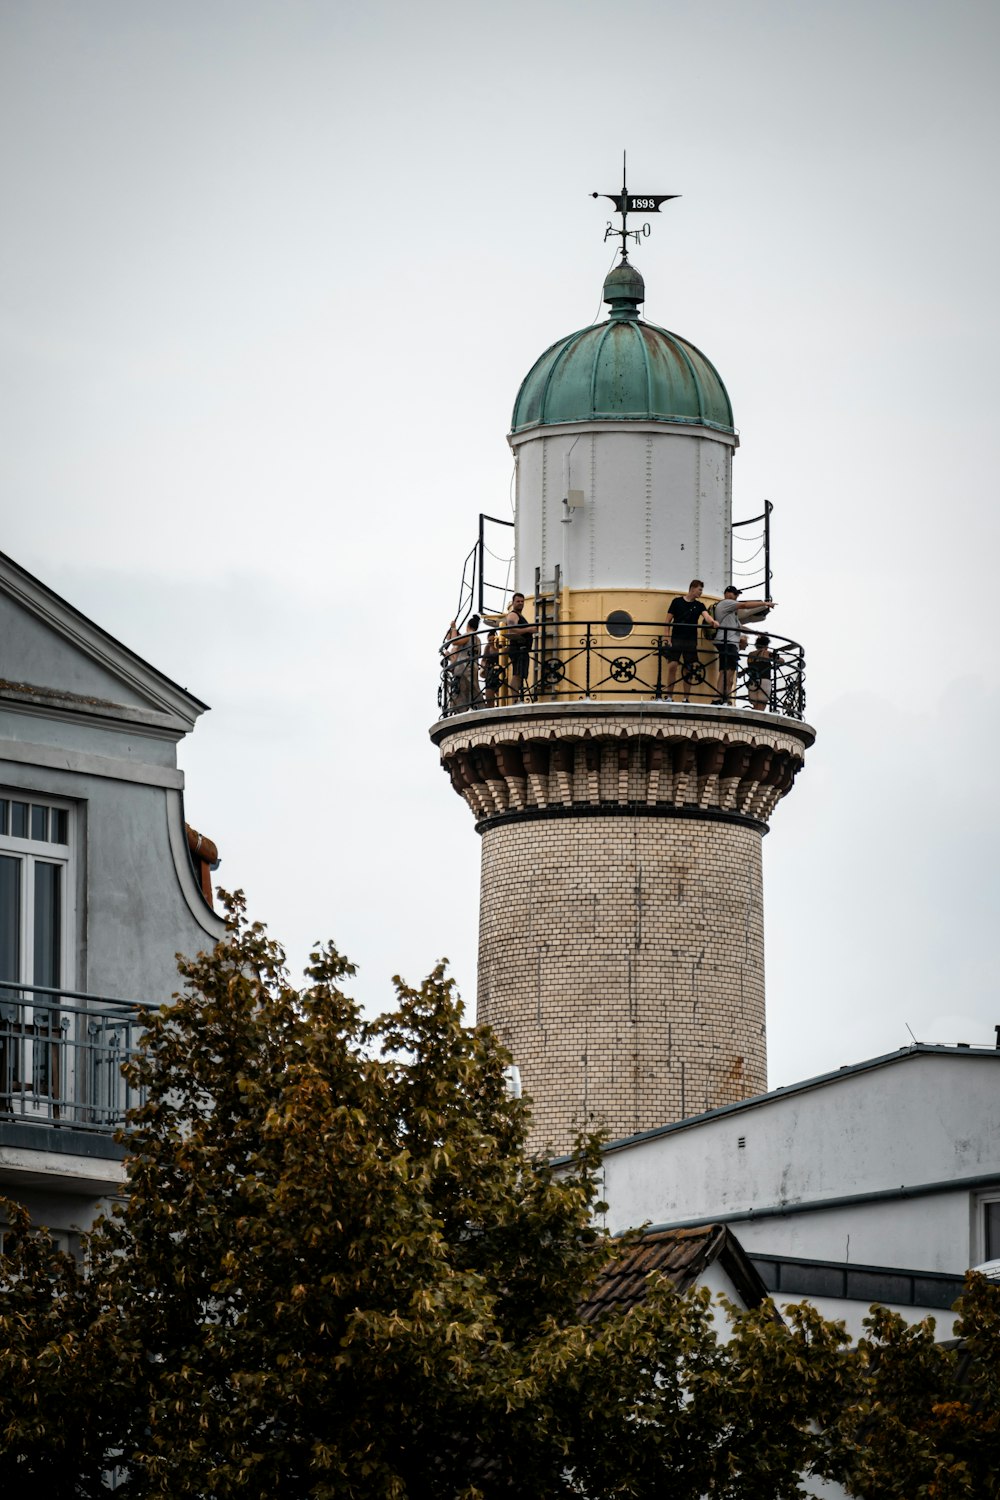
<point>729,637</point>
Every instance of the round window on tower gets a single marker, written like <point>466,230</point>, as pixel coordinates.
<point>619,623</point>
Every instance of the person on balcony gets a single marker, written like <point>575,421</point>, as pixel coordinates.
<point>461,650</point>
<point>759,663</point>
<point>729,637</point>
<point>489,669</point>
<point>519,637</point>
<point>685,615</point>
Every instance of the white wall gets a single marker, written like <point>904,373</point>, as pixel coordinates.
<point>925,1116</point>
<point>854,1313</point>
<point>656,510</point>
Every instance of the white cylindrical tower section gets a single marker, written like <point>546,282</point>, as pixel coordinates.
<point>649,508</point>
<point>624,437</point>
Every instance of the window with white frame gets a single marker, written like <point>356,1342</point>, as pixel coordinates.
<point>36,896</point>
<point>36,942</point>
<point>989,1210</point>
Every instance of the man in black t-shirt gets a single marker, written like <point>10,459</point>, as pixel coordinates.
<point>519,635</point>
<point>685,615</point>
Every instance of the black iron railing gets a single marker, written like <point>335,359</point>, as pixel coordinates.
<point>590,660</point>
<point>61,1055</point>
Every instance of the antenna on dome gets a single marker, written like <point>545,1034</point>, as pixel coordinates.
<point>631,203</point>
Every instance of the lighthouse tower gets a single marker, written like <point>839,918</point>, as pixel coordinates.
<point>621,807</point>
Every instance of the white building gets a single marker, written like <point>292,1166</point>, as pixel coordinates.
<point>876,1183</point>
<point>101,885</point>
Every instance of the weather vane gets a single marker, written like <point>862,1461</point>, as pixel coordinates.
<point>632,203</point>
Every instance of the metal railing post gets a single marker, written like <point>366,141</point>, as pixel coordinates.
<point>480,555</point>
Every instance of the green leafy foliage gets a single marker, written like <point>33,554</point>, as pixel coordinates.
<point>61,1386</point>
<point>924,1418</point>
<point>338,1272</point>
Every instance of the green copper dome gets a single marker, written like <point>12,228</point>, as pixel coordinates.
<point>623,370</point>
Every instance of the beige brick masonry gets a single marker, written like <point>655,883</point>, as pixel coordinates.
<point>621,945</point>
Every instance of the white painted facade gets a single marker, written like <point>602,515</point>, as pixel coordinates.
<point>652,506</point>
<point>889,1165</point>
<point>98,891</point>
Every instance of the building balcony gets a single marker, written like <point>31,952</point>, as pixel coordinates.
<point>61,1056</point>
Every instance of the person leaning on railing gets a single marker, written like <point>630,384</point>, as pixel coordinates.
<point>489,669</point>
<point>447,650</point>
<point>727,617</point>
<point>461,657</point>
<point>759,663</point>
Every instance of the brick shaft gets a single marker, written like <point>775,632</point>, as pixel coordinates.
<point>621,960</point>
<point>621,940</point>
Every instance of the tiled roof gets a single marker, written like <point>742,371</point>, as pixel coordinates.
<point>682,1255</point>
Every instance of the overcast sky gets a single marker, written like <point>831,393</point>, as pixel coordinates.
<point>271,276</point>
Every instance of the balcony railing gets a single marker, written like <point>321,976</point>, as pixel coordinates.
<point>587,660</point>
<point>61,1055</point>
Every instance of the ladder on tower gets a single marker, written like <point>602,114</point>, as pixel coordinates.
<point>546,617</point>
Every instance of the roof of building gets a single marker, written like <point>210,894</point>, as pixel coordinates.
<point>683,1256</point>
<point>807,1276</point>
<point>160,700</point>
<point>821,1080</point>
<point>623,370</point>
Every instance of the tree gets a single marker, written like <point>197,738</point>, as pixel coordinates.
<point>61,1387</point>
<point>924,1417</point>
<point>337,1272</point>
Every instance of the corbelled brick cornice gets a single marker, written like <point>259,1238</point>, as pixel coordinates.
<point>533,760</point>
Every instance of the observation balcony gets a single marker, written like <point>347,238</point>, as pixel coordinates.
<point>586,661</point>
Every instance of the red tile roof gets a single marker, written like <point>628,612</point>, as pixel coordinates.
<point>682,1255</point>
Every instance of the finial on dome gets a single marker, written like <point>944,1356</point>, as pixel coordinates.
<point>624,289</point>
